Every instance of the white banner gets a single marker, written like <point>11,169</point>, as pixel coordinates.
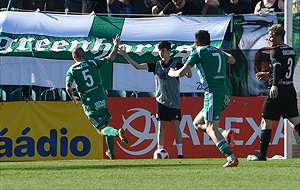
<point>57,25</point>
<point>35,48</point>
<point>34,71</point>
<point>174,28</point>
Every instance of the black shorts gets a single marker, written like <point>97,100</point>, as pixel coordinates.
<point>164,113</point>
<point>284,105</point>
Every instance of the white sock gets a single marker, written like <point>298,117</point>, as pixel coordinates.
<point>179,149</point>
<point>160,147</point>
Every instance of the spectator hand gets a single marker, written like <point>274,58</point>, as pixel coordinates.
<point>155,10</point>
<point>213,3</point>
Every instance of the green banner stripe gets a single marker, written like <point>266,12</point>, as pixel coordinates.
<point>106,27</point>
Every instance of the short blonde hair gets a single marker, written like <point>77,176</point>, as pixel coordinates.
<point>277,30</point>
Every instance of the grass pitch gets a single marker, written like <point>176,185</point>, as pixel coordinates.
<point>151,174</point>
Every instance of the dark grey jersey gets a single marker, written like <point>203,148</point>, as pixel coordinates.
<point>167,88</point>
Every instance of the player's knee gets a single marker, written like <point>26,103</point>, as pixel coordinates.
<point>199,127</point>
<point>266,124</point>
<point>99,129</point>
<point>196,125</point>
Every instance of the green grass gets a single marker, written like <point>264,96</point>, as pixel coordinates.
<point>151,174</point>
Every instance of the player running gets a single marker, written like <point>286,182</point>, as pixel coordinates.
<point>86,74</point>
<point>211,64</point>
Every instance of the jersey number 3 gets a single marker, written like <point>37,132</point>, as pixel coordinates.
<point>290,68</point>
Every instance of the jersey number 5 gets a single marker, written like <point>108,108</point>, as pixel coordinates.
<point>88,78</point>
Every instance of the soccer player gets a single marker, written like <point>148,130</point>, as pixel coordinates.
<point>167,92</point>
<point>281,99</point>
<point>211,63</point>
<point>86,74</point>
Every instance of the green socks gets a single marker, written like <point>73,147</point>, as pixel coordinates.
<point>109,133</point>
<point>221,130</point>
<point>110,141</point>
<point>224,148</point>
<point>223,145</point>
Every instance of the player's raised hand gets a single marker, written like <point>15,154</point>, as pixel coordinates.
<point>117,40</point>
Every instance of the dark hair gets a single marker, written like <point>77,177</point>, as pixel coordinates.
<point>202,37</point>
<point>277,30</point>
<point>78,52</point>
<point>164,44</point>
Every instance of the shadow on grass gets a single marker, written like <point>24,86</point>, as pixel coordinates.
<point>100,165</point>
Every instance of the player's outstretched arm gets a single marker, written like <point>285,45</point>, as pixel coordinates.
<point>231,59</point>
<point>142,66</point>
<point>114,52</point>
<point>189,73</point>
<point>180,72</point>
